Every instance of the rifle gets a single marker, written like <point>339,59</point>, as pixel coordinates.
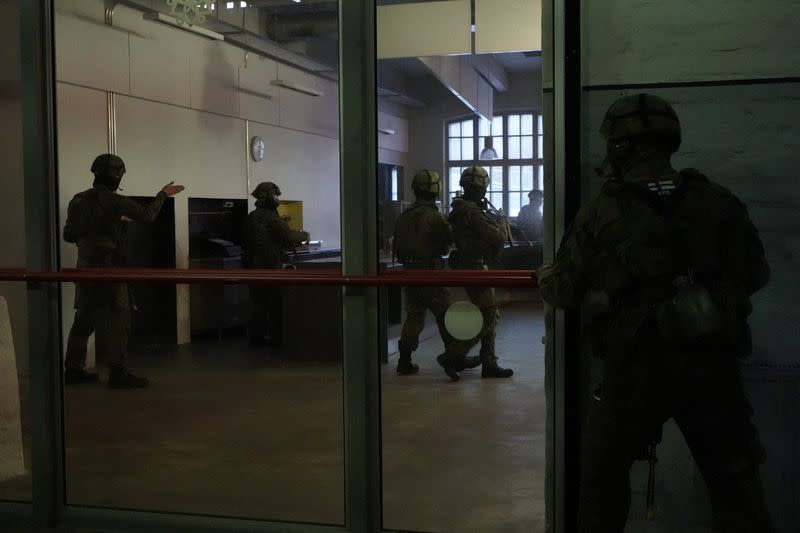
<point>499,218</point>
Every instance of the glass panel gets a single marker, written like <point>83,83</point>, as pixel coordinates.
<point>454,129</point>
<point>15,313</point>
<point>497,200</point>
<point>496,183</point>
<point>467,128</point>
<point>527,147</point>
<point>218,430</point>
<point>497,125</point>
<point>394,184</point>
<point>527,125</point>
<point>513,124</point>
<point>513,148</point>
<point>484,127</point>
<point>467,456</point>
<point>455,150</point>
<point>540,177</point>
<point>539,127</point>
<point>527,178</point>
<point>513,178</point>
<point>514,203</point>
<point>540,147</point>
<point>455,177</point>
<point>468,148</point>
<point>497,142</point>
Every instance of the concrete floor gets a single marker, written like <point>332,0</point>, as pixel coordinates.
<point>224,431</point>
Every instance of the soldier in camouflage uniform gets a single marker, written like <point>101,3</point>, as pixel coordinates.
<point>421,238</point>
<point>479,237</point>
<point>530,216</point>
<point>677,258</point>
<point>96,223</point>
<point>267,237</point>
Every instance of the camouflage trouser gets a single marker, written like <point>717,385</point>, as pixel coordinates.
<point>266,318</point>
<point>484,299</point>
<point>420,300</point>
<point>102,309</point>
<point>704,394</point>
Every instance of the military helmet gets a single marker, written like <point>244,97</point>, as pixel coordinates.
<point>108,165</point>
<point>537,194</point>
<point>474,177</point>
<point>266,189</point>
<point>426,181</point>
<point>639,115</point>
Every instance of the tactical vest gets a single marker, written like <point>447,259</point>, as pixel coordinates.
<point>661,254</point>
<point>416,239</point>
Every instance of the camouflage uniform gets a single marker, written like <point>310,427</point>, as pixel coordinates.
<point>478,237</point>
<point>266,238</point>
<point>632,243</point>
<point>104,308</point>
<point>421,238</point>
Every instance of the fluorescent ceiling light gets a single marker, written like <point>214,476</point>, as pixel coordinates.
<point>296,87</point>
<point>385,131</point>
<point>172,21</point>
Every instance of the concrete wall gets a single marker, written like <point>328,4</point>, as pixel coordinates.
<point>12,215</point>
<point>746,138</point>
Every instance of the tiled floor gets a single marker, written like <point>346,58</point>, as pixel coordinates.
<point>224,431</point>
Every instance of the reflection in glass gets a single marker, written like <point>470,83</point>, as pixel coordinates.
<point>513,124</point>
<point>513,147</point>
<point>514,178</point>
<point>466,128</point>
<point>496,183</point>
<point>514,204</point>
<point>243,415</point>
<point>467,149</point>
<point>455,150</point>
<point>527,125</point>
<point>527,147</point>
<point>527,178</point>
<point>498,146</point>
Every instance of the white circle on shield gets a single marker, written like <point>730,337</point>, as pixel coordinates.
<point>463,320</point>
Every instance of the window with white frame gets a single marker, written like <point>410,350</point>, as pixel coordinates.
<point>517,140</point>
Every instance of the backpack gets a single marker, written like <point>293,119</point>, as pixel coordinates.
<point>79,216</point>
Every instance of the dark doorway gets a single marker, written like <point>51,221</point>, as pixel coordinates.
<point>215,241</point>
<point>152,245</point>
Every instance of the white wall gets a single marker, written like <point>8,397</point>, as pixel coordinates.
<point>185,107</point>
<point>12,188</point>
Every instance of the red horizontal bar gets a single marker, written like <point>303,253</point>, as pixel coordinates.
<point>311,277</point>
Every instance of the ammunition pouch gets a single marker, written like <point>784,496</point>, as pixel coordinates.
<point>690,316</point>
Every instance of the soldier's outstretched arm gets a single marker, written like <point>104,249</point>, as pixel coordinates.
<point>146,213</point>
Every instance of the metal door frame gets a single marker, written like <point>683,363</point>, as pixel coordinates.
<point>358,154</point>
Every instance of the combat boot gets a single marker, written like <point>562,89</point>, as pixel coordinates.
<point>494,371</point>
<point>79,376</point>
<point>120,378</point>
<point>449,366</point>
<point>404,366</point>
<point>469,363</point>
